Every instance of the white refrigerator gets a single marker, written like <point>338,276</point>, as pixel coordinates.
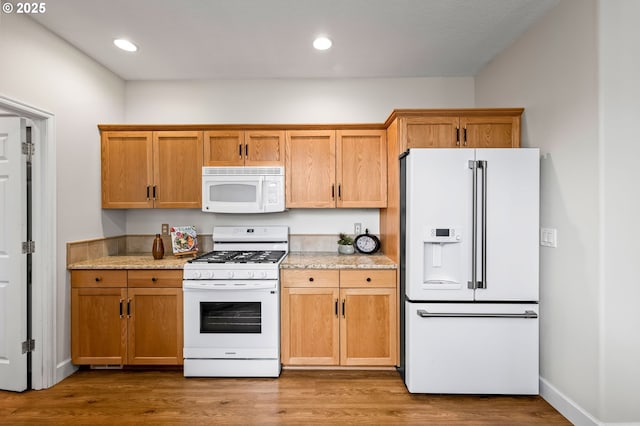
<point>469,270</point>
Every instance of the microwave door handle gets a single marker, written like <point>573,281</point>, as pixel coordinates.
<point>260,189</point>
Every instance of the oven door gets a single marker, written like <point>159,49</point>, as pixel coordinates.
<point>226,322</point>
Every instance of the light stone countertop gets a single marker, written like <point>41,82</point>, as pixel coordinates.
<point>132,262</point>
<point>295,260</point>
<point>332,260</point>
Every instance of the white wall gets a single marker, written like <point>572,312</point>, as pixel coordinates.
<point>575,72</point>
<point>41,70</point>
<point>282,101</point>
<point>620,149</point>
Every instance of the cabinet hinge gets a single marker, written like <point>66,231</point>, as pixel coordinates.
<point>28,149</point>
<point>28,247</point>
<point>28,346</point>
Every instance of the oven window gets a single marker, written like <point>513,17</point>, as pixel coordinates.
<point>230,317</point>
<point>233,192</point>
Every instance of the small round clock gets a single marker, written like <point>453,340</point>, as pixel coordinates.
<point>367,244</point>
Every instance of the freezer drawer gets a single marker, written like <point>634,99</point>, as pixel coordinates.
<point>472,348</point>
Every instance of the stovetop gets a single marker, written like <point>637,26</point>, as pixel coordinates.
<point>240,256</point>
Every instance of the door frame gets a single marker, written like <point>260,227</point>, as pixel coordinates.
<point>44,296</point>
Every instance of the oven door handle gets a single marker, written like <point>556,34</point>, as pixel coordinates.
<point>209,285</point>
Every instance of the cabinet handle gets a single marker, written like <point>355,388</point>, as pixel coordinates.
<point>336,308</point>
<point>333,192</point>
<point>343,300</point>
<point>148,188</point>
<point>339,191</point>
<point>154,192</point>
<point>240,150</point>
<point>154,279</point>
<point>465,136</point>
<point>129,308</point>
<point>121,301</point>
<point>311,279</point>
<point>98,279</point>
<point>368,279</point>
<point>457,136</point>
<point>246,150</point>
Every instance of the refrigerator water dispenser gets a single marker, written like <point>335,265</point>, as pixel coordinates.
<point>443,258</point>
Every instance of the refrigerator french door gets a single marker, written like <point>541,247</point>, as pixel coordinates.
<point>469,270</point>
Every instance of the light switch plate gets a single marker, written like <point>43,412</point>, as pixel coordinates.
<point>357,228</point>
<point>548,237</point>
<point>165,229</point>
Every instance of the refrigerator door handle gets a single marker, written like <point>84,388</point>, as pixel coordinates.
<point>528,314</point>
<point>473,165</point>
<point>483,281</point>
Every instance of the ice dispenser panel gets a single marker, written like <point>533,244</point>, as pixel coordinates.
<point>443,258</point>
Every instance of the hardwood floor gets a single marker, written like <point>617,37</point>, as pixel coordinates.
<point>116,397</point>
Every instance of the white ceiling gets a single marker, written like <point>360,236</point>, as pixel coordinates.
<point>254,39</point>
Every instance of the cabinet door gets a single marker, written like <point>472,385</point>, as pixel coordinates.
<point>177,169</point>
<point>310,326</point>
<point>310,168</point>
<point>432,132</point>
<point>224,148</point>
<point>127,170</point>
<point>264,148</point>
<point>98,326</point>
<point>155,326</point>
<point>361,168</point>
<point>491,131</point>
<point>368,326</point>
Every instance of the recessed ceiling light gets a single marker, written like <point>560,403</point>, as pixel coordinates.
<point>322,43</point>
<point>125,44</point>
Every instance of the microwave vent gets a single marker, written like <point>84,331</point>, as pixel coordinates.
<point>236,171</point>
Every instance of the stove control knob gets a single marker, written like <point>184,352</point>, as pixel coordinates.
<point>250,274</point>
<point>206,274</point>
<point>195,274</point>
<point>230,274</point>
<point>263,274</point>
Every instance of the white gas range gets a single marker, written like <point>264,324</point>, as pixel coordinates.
<point>231,304</point>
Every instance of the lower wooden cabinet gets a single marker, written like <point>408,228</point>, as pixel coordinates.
<point>345,317</point>
<point>126,317</point>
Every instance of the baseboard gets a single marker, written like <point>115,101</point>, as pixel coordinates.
<point>64,370</point>
<point>566,406</point>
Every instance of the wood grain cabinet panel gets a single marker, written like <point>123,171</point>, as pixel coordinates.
<point>244,148</point>
<point>345,317</point>
<point>491,131</point>
<point>126,322</point>
<point>361,167</point>
<point>310,170</point>
<point>145,169</point>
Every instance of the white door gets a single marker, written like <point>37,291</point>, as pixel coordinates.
<point>438,224</point>
<point>13,293</point>
<point>512,223</point>
<point>472,348</point>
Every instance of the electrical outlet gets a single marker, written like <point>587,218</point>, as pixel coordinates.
<point>357,228</point>
<point>165,229</point>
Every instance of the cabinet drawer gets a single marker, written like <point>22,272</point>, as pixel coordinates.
<point>155,278</point>
<point>384,278</point>
<point>310,278</point>
<point>99,278</point>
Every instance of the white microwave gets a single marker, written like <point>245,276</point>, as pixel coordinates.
<point>242,189</point>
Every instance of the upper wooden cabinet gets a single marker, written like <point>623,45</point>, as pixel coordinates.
<point>244,148</point>
<point>471,130</point>
<point>343,168</point>
<point>144,169</point>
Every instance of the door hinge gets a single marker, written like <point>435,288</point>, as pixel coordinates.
<point>28,247</point>
<point>28,346</point>
<point>28,149</point>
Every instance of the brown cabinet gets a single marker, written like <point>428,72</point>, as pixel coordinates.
<point>345,317</point>
<point>343,168</point>
<point>244,148</point>
<point>146,169</point>
<point>481,129</point>
<point>126,317</point>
